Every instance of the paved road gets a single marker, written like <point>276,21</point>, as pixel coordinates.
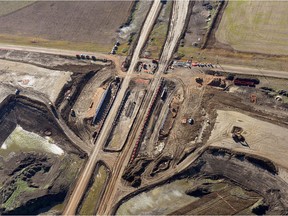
<point>109,199</point>
<point>173,37</point>
<point>47,50</point>
<point>85,176</point>
<point>252,71</point>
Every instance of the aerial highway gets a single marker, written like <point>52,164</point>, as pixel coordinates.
<point>252,71</point>
<point>85,176</point>
<point>179,15</point>
<point>110,196</point>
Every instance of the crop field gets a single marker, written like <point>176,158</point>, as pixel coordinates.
<point>255,26</point>
<point>93,22</point>
<point>12,6</point>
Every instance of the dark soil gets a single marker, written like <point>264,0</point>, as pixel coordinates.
<point>258,177</point>
<point>47,175</point>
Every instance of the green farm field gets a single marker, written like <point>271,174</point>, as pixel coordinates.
<point>255,26</point>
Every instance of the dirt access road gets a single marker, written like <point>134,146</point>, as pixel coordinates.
<point>109,199</point>
<point>225,68</point>
<point>85,176</point>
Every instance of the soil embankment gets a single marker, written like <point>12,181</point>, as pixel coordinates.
<point>257,175</point>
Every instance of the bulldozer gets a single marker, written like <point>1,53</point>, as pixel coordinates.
<point>237,134</point>
<point>199,80</point>
<point>238,137</point>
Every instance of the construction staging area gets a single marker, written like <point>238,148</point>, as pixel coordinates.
<point>166,136</point>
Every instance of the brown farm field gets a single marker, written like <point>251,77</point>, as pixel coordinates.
<point>75,23</point>
<point>12,6</point>
<point>255,26</point>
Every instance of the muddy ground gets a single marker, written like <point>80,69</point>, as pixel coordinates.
<point>29,178</point>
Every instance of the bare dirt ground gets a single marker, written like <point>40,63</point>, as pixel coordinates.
<point>201,14</point>
<point>262,138</point>
<point>126,117</point>
<point>200,102</point>
<point>171,131</point>
<point>87,171</point>
<point>22,75</point>
<point>178,195</point>
<point>92,21</point>
<point>45,139</point>
<point>205,188</point>
<point>46,60</point>
<point>87,102</point>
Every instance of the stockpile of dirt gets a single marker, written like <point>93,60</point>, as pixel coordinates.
<point>217,82</point>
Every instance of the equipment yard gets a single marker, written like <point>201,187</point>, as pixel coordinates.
<point>148,133</point>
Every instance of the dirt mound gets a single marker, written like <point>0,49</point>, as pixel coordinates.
<point>217,82</point>
<point>134,171</point>
<point>33,177</point>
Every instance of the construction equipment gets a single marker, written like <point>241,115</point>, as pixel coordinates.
<point>237,134</point>
<point>199,80</point>
<point>253,98</point>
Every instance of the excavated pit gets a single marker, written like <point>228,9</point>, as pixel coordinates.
<point>218,182</point>
<point>33,177</point>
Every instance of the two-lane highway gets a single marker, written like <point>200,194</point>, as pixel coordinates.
<point>179,15</point>
<point>86,174</point>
